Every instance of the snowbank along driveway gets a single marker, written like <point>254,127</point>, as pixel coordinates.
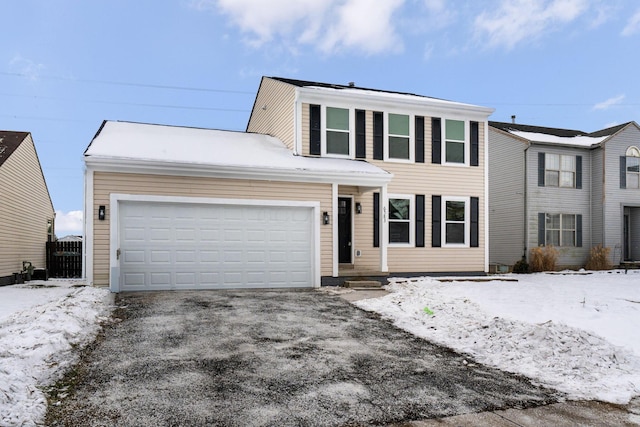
<point>265,358</point>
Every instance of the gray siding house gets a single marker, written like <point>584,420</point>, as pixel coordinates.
<point>566,188</point>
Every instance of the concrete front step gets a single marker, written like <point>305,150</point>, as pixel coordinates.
<point>368,284</point>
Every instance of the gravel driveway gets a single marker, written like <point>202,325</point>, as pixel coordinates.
<point>266,358</point>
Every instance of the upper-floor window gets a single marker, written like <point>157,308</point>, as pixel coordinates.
<point>337,131</point>
<point>559,170</point>
<point>633,167</point>
<point>455,146</point>
<point>399,137</point>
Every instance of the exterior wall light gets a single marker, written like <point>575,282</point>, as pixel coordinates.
<point>325,217</point>
<point>102,212</point>
<point>358,208</point>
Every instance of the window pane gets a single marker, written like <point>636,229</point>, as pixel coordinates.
<point>552,179</point>
<point>568,222</point>
<point>398,124</point>
<point>569,163</point>
<point>553,238</point>
<point>398,147</point>
<point>398,209</point>
<point>455,211</point>
<point>552,161</point>
<point>553,221</point>
<point>398,232</point>
<point>337,142</point>
<point>632,164</point>
<point>632,180</point>
<point>568,238</point>
<point>337,118</point>
<point>454,129</point>
<point>566,179</point>
<point>455,233</point>
<point>455,152</point>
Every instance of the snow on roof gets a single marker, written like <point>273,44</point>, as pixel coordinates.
<point>576,141</point>
<point>210,147</point>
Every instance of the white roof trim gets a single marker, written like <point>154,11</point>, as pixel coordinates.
<point>574,141</point>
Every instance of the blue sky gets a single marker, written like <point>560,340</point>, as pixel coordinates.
<point>66,65</point>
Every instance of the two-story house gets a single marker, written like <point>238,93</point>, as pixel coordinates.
<point>566,188</point>
<point>327,182</point>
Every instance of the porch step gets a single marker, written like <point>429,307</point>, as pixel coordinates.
<point>358,284</point>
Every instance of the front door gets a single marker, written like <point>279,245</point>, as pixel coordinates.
<point>344,230</point>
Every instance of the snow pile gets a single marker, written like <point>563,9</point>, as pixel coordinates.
<point>522,327</point>
<point>38,343</point>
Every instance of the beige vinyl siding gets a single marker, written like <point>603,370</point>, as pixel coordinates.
<point>427,179</point>
<point>506,198</point>
<point>273,111</point>
<point>106,183</point>
<point>25,208</point>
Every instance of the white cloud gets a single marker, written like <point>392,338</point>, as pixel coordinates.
<point>633,25</point>
<point>605,105</point>
<point>517,21</point>
<point>329,25</point>
<point>68,223</point>
<point>26,67</point>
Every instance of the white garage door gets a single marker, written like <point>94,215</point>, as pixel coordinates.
<point>209,246</point>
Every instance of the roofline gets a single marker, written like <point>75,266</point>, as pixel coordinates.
<point>509,134</point>
<point>128,165</point>
<point>44,179</point>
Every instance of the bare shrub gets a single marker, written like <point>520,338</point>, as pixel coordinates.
<point>599,258</point>
<point>543,258</point>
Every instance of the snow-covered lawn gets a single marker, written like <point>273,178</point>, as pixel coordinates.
<point>41,325</point>
<point>578,333</point>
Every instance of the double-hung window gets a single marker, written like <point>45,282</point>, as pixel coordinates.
<point>633,167</point>
<point>456,221</point>
<point>337,137</point>
<point>560,170</point>
<point>560,230</point>
<point>401,219</point>
<point>399,142</point>
<point>455,145</point>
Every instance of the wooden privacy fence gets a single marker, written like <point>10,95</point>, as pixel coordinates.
<point>64,259</point>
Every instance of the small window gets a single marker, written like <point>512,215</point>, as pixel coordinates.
<point>337,136</point>
<point>633,167</point>
<point>51,234</point>
<point>456,221</point>
<point>400,219</point>
<point>399,137</point>
<point>560,230</point>
<point>560,170</point>
<point>455,141</point>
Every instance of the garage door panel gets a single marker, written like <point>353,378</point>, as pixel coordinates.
<point>189,246</point>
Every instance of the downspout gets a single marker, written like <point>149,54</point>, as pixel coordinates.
<point>525,229</point>
<point>297,128</point>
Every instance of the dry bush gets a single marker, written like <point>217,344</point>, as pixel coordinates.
<point>543,258</point>
<point>599,258</point>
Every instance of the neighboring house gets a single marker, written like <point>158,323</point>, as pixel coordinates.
<point>566,188</point>
<point>328,182</point>
<point>26,212</point>
<point>70,238</point>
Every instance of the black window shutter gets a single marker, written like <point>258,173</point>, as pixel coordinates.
<point>436,229</point>
<point>436,140</point>
<point>419,129</point>
<point>378,135</point>
<point>474,232</point>
<point>376,220</point>
<point>419,220</point>
<point>541,169</point>
<point>361,144</point>
<point>314,129</point>
<point>578,172</point>
<point>475,139</point>
<point>623,172</point>
<point>541,229</point>
<point>579,231</point>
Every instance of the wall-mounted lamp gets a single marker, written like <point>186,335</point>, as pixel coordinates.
<point>358,208</point>
<point>325,217</point>
<point>102,212</point>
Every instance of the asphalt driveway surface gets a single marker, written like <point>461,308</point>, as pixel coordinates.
<point>272,358</point>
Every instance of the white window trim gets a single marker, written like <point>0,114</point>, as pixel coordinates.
<point>562,229</point>
<point>467,142</point>
<point>323,132</point>
<point>412,219</point>
<point>632,153</point>
<point>412,139</point>
<point>467,221</point>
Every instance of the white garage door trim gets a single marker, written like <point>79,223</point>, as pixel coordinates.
<point>114,228</point>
